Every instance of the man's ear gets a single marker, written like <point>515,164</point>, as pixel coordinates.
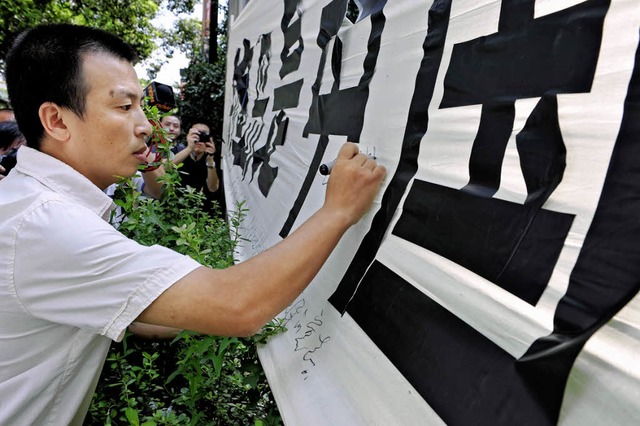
<point>52,119</point>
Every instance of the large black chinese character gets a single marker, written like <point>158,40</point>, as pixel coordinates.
<point>249,129</point>
<point>440,354</point>
<point>340,112</point>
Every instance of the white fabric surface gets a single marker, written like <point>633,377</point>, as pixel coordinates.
<point>325,369</point>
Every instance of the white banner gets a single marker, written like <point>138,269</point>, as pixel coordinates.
<point>495,279</point>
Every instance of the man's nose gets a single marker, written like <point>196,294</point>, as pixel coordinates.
<point>143,126</point>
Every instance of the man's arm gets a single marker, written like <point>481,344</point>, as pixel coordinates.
<point>152,187</point>
<point>182,155</point>
<point>213,182</point>
<point>239,300</point>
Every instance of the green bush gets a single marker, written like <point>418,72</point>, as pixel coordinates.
<point>194,379</point>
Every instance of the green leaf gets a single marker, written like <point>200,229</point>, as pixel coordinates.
<point>132,416</point>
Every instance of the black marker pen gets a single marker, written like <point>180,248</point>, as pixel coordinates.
<point>325,169</point>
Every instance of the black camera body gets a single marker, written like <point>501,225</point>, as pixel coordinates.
<point>161,96</point>
<point>203,137</point>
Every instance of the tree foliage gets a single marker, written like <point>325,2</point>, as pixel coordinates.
<point>184,36</point>
<point>202,93</point>
<point>129,19</point>
<point>181,6</point>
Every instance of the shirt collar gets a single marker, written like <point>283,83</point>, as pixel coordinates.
<point>62,178</point>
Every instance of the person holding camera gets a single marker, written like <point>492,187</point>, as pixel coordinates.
<point>198,166</point>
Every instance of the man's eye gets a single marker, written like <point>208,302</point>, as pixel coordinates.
<point>126,107</point>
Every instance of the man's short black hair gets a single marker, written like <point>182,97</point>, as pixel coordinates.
<point>198,120</point>
<point>173,114</point>
<point>9,132</point>
<point>45,65</point>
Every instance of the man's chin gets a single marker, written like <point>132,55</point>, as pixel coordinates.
<point>130,172</point>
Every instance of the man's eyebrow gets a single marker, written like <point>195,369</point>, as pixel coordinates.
<point>127,94</point>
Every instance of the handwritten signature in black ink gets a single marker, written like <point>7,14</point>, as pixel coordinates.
<point>311,340</point>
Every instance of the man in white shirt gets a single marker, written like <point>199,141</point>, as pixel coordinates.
<point>69,282</point>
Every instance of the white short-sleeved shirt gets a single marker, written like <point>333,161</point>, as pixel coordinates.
<point>69,284</point>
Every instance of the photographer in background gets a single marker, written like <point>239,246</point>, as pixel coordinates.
<point>199,169</point>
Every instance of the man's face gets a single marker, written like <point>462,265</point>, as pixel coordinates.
<point>200,146</point>
<point>171,125</point>
<point>109,140</point>
<point>7,115</point>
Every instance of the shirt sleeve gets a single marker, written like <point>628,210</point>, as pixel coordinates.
<point>71,267</point>
<point>138,181</point>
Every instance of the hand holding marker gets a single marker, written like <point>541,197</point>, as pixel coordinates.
<point>325,169</point>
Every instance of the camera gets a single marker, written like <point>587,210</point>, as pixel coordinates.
<point>161,96</point>
<point>203,137</point>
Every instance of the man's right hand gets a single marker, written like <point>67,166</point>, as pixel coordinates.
<point>354,182</point>
<point>192,138</point>
<point>237,301</point>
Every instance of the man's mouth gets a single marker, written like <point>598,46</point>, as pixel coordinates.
<point>141,155</point>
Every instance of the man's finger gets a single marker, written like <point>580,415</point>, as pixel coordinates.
<point>349,150</point>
